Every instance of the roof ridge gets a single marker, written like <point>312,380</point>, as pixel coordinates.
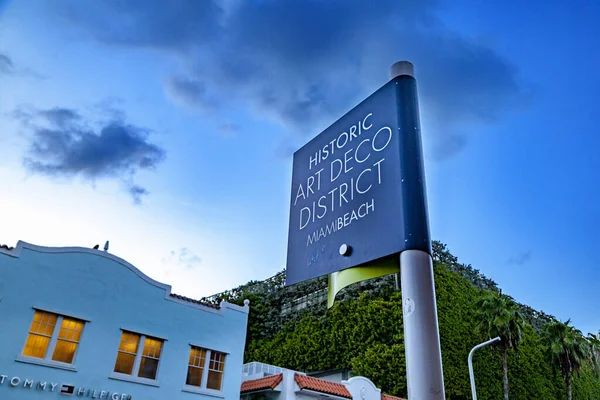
<point>390,397</point>
<point>321,385</point>
<point>266,382</point>
<point>190,300</point>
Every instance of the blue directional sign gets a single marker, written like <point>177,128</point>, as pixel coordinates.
<point>358,187</point>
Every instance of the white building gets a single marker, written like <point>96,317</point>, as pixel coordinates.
<point>83,322</point>
<point>267,382</point>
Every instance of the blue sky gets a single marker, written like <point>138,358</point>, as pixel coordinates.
<point>167,127</point>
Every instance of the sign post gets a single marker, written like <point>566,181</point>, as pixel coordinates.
<point>424,374</point>
<point>358,203</point>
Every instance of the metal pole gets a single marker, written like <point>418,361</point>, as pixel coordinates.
<point>424,373</point>
<point>471,375</point>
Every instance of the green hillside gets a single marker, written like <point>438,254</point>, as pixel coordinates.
<point>290,327</point>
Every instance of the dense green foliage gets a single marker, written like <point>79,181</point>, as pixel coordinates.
<point>594,341</point>
<point>566,350</point>
<point>363,331</point>
<point>498,316</point>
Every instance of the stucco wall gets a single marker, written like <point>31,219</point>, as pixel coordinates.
<point>337,377</point>
<point>111,296</point>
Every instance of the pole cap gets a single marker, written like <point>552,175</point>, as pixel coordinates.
<point>402,68</point>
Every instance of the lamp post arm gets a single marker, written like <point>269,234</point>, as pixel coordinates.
<point>471,375</point>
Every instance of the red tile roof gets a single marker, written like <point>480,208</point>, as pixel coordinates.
<point>183,298</point>
<point>389,397</point>
<point>321,385</point>
<point>268,382</point>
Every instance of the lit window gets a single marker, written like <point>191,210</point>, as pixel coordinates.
<point>136,360</point>
<point>205,360</point>
<point>127,351</point>
<point>196,366</point>
<point>44,339</point>
<point>215,370</point>
<point>150,358</point>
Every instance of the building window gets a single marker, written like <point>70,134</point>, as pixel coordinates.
<point>150,358</point>
<point>47,342</point>
<point>128,350</point>
<point>201,360</point>
<point>215,370</point>
<point>141,361</point>
<point>196,366</point>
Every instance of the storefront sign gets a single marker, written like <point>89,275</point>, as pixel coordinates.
<point>64,389</point>
<point>348,191</point>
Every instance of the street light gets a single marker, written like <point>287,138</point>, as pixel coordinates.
<point>473,391</point>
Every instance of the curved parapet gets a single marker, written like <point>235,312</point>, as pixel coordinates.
<point>362,388</point>
<point>17,251</point>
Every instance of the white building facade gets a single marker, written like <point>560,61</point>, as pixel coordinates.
<point>267,382</point>
<point>82,322</point>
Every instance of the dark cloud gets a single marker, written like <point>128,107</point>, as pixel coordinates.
<point>6,64</point>
<point>137,192</point>
<point>520,258</point>
<point>60,117</point>
<point>303,64</point>
<point>62,145</point>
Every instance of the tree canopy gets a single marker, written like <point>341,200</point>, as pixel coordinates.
<point>566,350</point>
<point>292,328</point>
<point>498,316</point>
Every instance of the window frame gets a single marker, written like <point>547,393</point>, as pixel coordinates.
<point>47,359</point>
<point>203,389</point>
<point>134,376</point>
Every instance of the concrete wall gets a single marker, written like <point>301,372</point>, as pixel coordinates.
<point>334,376</point>
<point>112,295</point>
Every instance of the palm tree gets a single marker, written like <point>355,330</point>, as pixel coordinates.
<point>594,347</point>
<point>498,315</point>
<point>566,349</point>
